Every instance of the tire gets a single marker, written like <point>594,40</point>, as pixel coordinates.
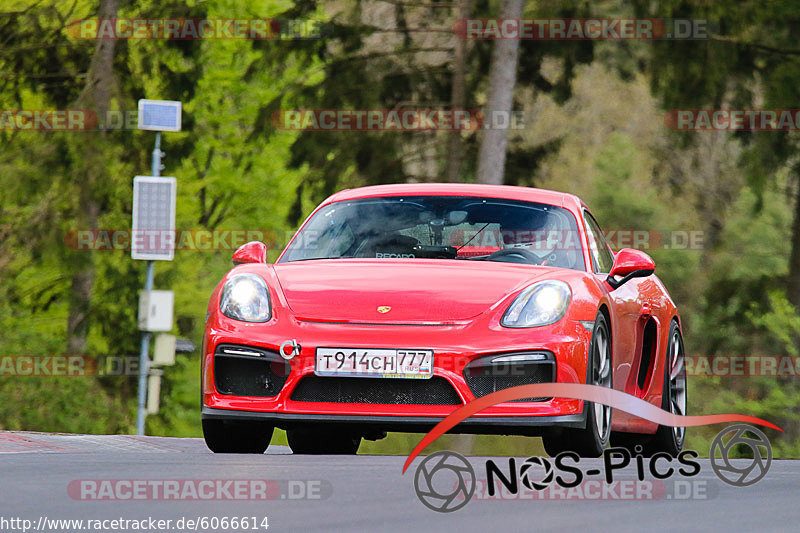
<point>234,436</point>
<point>591,440</point>
<point>321,441</point>
<point>666,439</point>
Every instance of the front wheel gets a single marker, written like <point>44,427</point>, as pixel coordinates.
<point>673,399</point>
<point>591,440</point>
<point>237,436</point>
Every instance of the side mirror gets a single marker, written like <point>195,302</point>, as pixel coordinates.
<point>629,264</point>
<point>252,252</point>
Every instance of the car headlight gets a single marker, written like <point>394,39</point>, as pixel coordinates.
<point>245,297</point>
<point>540,304</point>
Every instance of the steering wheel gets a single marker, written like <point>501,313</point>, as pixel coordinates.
<point>514,255</point>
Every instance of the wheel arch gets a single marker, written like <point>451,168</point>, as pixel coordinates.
<point>677,320</point>
<point>603,308</point>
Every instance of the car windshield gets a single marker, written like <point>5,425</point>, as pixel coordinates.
<point>439,227</point>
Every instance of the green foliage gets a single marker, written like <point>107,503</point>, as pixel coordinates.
<point>782,320</point>
<point>65,404</point>
<point>233,174</point>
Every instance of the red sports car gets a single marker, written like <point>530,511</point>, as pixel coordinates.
<point>394,305</point>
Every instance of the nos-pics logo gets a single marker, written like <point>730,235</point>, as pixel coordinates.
<point>445,481</point>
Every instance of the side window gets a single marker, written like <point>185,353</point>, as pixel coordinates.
<point>602,259</point>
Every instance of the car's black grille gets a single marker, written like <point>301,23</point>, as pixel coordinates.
<point>432,391</point>
<point>484,378</point>
<point>262,375</point>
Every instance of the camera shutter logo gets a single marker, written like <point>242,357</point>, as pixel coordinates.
<point>525,473</point>
<point>748,473</point>
<point>444,481</point>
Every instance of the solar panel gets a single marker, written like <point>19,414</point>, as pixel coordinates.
<point>159,115</point>
<point>153,236</point>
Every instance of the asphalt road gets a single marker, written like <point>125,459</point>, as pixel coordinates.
<point>41,480</point>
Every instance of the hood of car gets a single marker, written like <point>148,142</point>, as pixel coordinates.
<point>401,292</point>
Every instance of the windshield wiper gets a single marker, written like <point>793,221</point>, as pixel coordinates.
<point>311,259</point>
<point>471,238</point>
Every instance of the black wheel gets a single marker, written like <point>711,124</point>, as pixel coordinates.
<point>234,436</point>
<point>591,440</point>
<point>322,441</point>
<point>666,439</point>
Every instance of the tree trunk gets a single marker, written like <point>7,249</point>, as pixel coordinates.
<point>458,97</point>
<point>502,78</point>
<point>81,289</point>
<point>96,96</point>
<point>793,288</point>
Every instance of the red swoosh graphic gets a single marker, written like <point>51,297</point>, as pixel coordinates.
<point>578,391</point>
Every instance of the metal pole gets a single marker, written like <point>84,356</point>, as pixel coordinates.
<point>157,156</point>
<point>144,360</point>
<point>144,353</point>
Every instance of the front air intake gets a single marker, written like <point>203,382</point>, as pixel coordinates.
<point>249,371</point>
<point>432,391</point>
<point>497,372</point>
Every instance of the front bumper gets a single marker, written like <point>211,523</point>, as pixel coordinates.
<point>496,425</point>
<point>454,346</point>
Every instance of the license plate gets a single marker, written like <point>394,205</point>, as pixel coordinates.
<point>374,363</point>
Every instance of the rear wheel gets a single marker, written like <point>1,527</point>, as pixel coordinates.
<point>321,441</point>
<point>591,440</point>
<point>237,436</point>
<point>673,399</point>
